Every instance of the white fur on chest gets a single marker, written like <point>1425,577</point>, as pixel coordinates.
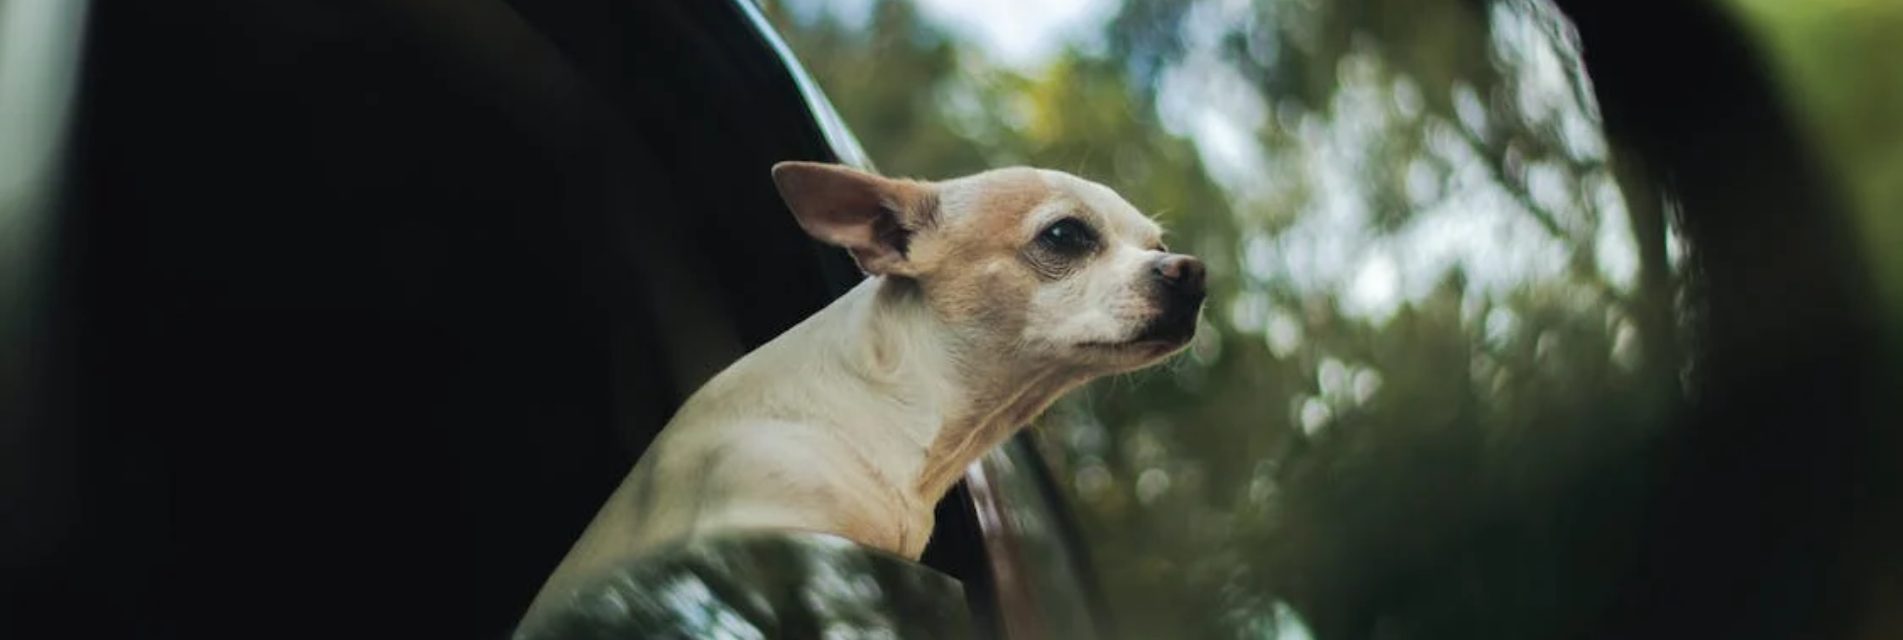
<point>818,430</point>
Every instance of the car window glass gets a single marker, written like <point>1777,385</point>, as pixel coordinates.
<point>1041,569</point>
<point>761,585</point>
<point>1446,312</point>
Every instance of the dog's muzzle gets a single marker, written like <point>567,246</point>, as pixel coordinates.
<point>1179,295</point>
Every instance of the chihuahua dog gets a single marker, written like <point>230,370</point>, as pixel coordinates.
<point>990,296</point>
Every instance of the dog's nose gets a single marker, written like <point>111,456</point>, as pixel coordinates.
<point>1181,274</point>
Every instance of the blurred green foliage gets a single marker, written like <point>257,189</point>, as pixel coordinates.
<point>1838,62</point>
<point>1445,321</point>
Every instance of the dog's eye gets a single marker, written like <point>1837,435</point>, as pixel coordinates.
<point>1068,236</point>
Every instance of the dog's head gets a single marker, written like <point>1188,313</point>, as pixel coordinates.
<point>1058,269</point>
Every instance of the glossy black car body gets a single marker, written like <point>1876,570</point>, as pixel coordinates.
<point>356,311</point>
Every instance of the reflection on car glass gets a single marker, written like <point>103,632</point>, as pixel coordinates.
<point>762,585</point>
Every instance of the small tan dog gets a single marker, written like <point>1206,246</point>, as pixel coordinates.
<point>991,296</point>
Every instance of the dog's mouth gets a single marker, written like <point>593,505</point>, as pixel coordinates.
<point>1137,345</point>
<point>1175,326</point>
<point>1165,333</point>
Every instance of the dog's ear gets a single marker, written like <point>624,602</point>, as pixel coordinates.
<point>872,216</point>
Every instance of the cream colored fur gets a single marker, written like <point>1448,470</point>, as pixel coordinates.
<point>857,421</point>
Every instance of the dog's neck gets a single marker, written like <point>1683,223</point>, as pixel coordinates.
<point>972,391</point>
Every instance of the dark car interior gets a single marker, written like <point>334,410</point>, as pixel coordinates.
<point>408,360</point>
<point>360,309</point>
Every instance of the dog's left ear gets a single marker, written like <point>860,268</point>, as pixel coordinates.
<point>872,216</point>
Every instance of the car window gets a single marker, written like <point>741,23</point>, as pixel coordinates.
<point>1041,569</point>
<point>762,585</point>
<point>1452,319</point>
